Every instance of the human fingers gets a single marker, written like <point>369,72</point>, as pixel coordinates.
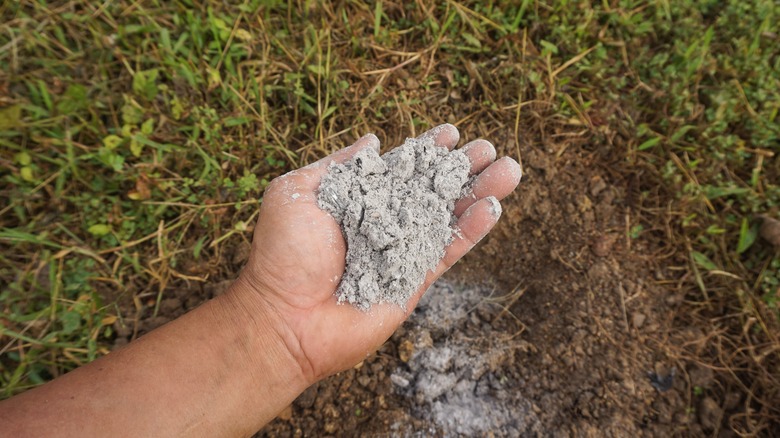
<point>472,226</point>
<point>446,136</point>
<point>480,153</point>
<point>498,180</point>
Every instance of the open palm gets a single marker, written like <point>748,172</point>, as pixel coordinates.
<point>298,256</point>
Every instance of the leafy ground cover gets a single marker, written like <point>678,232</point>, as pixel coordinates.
<point>137,138</point>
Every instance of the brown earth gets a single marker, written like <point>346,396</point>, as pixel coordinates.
<point>583,306</point>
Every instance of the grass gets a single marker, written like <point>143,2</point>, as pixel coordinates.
<point>137,139</point>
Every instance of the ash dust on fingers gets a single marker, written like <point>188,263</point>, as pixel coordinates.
<point>446,136</point>
<point>480,153</point>
<point>287,189</point>
<point>499,179</point>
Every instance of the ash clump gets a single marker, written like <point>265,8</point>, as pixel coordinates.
<point>395,212</point>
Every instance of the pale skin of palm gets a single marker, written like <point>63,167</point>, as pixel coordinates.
<point>231,365</point>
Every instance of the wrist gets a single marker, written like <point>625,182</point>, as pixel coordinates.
<point>271,343</point>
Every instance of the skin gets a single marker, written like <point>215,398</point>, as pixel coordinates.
<point>229,366</point>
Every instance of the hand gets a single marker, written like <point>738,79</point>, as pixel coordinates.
<point>298,257</point>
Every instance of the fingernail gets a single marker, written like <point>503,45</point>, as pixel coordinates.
<point>489,148</point>
<point>472,144</point>
<point>515,168</point>
<point>431,133</point>
<point>371,140</point>
<point>495,207</point>
<point>434,132</point>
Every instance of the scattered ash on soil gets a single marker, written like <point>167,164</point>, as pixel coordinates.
<point>457,380</point>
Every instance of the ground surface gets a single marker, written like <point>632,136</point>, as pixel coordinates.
<point>136,139</point>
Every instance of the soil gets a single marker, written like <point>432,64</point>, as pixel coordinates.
<point>563,331</point>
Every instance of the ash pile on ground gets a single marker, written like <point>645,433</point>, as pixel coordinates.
<point>457,382</point>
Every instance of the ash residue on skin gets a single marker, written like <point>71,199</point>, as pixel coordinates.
<point>457,379</point>
<point>395,212</point>
<point>468,188</point>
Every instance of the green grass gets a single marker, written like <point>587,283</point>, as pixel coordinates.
<point>136,135</point>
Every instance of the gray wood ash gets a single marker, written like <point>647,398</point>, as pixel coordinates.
<point>395,212</point>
